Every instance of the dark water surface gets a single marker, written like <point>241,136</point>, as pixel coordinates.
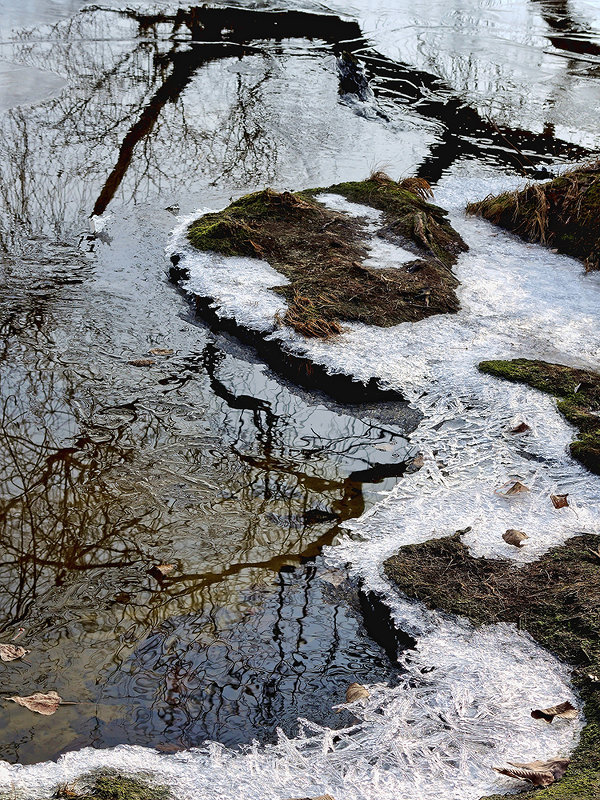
<point>204,460</point>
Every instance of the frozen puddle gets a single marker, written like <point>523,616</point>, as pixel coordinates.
<point>464,703</point>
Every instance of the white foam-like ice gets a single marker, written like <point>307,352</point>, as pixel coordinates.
<point>239,286</point>
<point>464,702</point>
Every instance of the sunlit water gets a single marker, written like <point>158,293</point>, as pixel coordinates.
<point>208,461</point>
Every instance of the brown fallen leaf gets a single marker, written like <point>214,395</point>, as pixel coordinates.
<point>333,576</point>
<point>559,500</point>
<point>522,427</point>
<point>514,537</point>
<point>515,488</point>
<point>320,797</point>
<point>540,773</point>
<point>141,362</point>
<point>39,702</point>
<point>356,691</point>
<point>10,652</point>
<point>160,570</point>
<point>416,463</point>
<point>160,351</point>
<point>564,710</point>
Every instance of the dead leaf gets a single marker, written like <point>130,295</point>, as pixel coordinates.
<point>356,691</point>
<point>595,553</point>
<point>10,652</point>
<point>159,571</point>
<point>514,537</point>
<point>522,427</point>
<point>559,500</point>
<point>141,362</point>
<point>320,797</point>
<point>160,351</point>
<point>515,488</point>
<point>415,463</point>
<point>39,702</point>
<point>564,710</point>
<point>333,576</point>
<point>540,773</point>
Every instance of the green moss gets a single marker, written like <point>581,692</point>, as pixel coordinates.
<point>555,599</point>
<point>578,393</point>
<point>563,213</point>
<point>322,252</point>
<point>112,786</point>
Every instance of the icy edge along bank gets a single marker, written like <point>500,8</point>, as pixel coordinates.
<point>513,301</point>
<point>462,706</point>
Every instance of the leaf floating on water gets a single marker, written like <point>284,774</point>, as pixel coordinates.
<point>540,773</point>
<point>141,362</point>
<point>559,500</point>
<point>514,537</point>
<point>160,351</point>
<point>39,702</point>
<point>356,691</point>
<point>522,427</point>
<point>515,488</point>
<point>564,710</point>
<point>159,571</point>
<point>11,652</point>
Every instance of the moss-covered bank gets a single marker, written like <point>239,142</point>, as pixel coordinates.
<point>563,213</point>
<point>322,252</point>
<point>555,599</point>
<point>578,393</point>
<point>111,786</point>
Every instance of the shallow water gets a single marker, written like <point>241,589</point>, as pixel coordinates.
<point>209,461</point>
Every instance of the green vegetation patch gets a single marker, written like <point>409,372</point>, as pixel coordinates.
<point>578,393</point>
<point>563,213</point>
<point>112,786</point>
<point>555,599</point>
<point>322,253</point>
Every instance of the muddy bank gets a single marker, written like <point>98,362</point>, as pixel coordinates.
<point>563,213</point>
<point>578,393</point>
<point>555,599</point>
<point>322,252</point>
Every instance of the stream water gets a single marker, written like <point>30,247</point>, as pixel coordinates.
<point>211,462</point>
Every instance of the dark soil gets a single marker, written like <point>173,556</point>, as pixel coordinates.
<point>563,213</point>
<point>555,599</point>
<point>578,393</point>
<point>321,252</point>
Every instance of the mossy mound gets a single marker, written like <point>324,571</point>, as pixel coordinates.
<point>112,786</point>
<point>578,391</point>
<point>322,252</point>
<point>555,599</point>
<point>563,213</point>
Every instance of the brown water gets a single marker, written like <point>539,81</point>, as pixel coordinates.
<point>204,460</point>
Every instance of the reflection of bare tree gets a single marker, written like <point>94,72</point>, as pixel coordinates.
<point>149,118</point>
<point>93,492</point>
<point>567,33</point>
